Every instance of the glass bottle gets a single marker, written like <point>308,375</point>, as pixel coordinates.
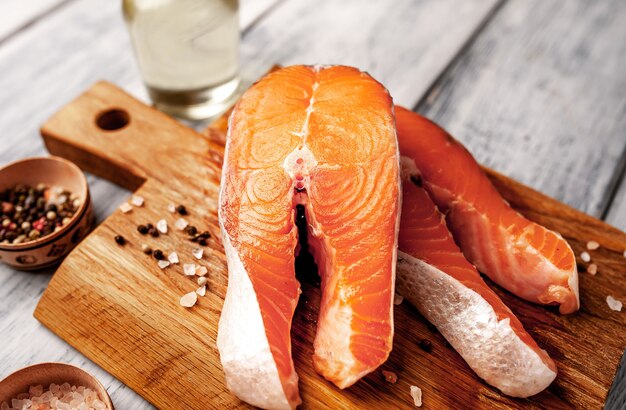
<point>187,52</point>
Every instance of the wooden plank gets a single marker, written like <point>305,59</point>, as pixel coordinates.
<point>129,295</point>
<point>539,96</point>
<point>406,46</point>
<point>17,15</point>
<point>616,214</point>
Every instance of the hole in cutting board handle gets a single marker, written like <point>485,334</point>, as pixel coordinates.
<point>113,120</point>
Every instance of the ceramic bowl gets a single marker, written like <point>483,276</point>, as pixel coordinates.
<point>47,373</point>
<point>49,249</point>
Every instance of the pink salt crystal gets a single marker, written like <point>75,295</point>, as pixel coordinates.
<point>202,281</point>
<point>16,403</point>
<point>98,405</point>
<point>201,271</point>
<point>54,388</point>
<point>36,390</point>
<point>592,269</point>
<point>80,389</point>
<point>136,200</point>
<point>189,299</point>
<point>614,304</point>
<point>171,208</point>
<point>197,253</point>
<point>416,393</point>
<point>162,226</point>
<point>47,396</point>
<point>126,207</point>
<point>181,224</point>
<point>83,406</point>
<point>163,264</point>
<point>63,406</point>
<point>53,402</point>
<point>65,387</point>
<point>173,257</point>
<point>23,396</point>
<point>592,245</point>
<point>201,291</point>
<point>189,269</point>
<point>4,406</point>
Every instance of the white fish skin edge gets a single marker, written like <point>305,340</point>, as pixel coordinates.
<point>468,322</point>
<point>248,364</point>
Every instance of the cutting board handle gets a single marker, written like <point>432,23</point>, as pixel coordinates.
<point>109,133</point>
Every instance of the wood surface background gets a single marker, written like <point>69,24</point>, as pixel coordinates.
<point>564,112</point>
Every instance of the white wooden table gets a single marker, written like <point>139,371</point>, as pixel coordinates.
<point>535,88</point>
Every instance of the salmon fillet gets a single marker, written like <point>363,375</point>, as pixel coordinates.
<point>322,138</point>
<point>435,277</point>
<point>523,257</point>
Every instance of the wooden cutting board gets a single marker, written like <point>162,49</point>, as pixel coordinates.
<point>117,307</point>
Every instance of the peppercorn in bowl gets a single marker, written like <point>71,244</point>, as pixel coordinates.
<point>45,210</point>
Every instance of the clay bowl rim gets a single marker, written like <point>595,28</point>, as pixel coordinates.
<point>60,368</point>
<point>78,215</point>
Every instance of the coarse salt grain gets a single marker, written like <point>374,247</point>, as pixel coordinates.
<point>162,226</point>
<point>202,281</point>
<point>171,208</point>
<point>197,253</point>
<point>592,269</point>
<point>613,303</point>
<point>397,299</point>
<point>181,224</point>
<point>592,245</point>
<point>126,208</point>
<point>57,397</point>
<point>189,299</point>
<point>163,264</point>
<point>136,200</point>
<point>624,254</point>
<point>416,393</point>
<point>391,377</point>
<point>173,257</point>
<point>201,291</point>
<point>201,271</point>
<point>189,269</point>
<point>585,256</point>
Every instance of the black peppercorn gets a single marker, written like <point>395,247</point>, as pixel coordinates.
<point>158,254</point>
<point>191,230</point>
<point>426,345</point>
<point>202,242</point>
<point>154,232</point>
<point>181,209</point>
<point>119,239</point>
<point>142,229</point>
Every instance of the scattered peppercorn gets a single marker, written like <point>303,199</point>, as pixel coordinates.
<point>158,254</point>
<point>191,230</point>
<point>146,249</point>
<point>142,229</point>
<point>154,232</point>
<point>426,345</point>
<point>181,209</point>
<point>119,239</point>
<point>202,242</point>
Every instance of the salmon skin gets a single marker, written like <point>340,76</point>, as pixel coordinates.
<point>322,138</point>
<point>435,277</point>
<point>523,257</point>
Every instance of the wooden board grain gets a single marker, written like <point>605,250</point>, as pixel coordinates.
<point>118,308</point>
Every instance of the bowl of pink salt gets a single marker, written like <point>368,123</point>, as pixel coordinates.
<point>53,386</point>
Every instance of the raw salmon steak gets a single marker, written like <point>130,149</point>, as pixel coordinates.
<point>523,257</point>
<point>435,277</point>
<point>322,138</point>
